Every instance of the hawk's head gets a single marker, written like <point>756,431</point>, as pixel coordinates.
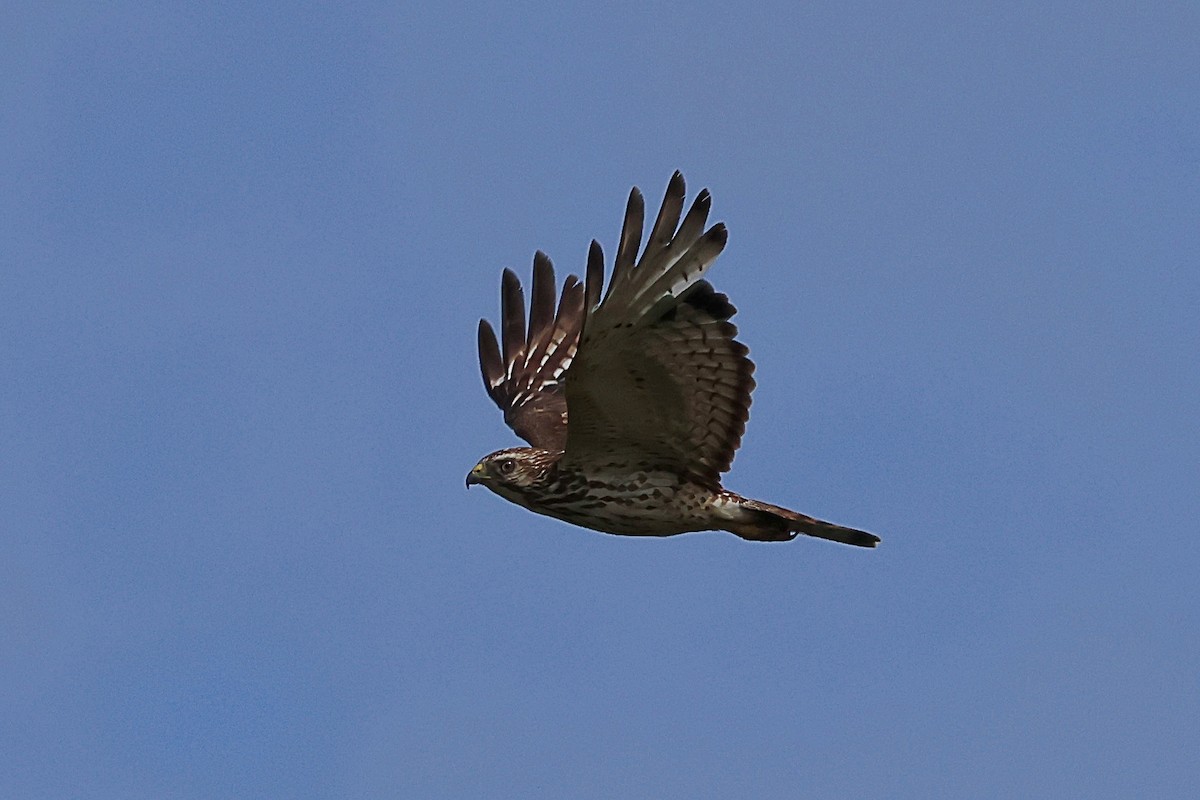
<point>509,473</point>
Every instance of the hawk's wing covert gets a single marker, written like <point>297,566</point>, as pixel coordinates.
<point>526,378</point>
<point>658,379</point>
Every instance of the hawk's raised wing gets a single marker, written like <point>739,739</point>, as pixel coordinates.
<point>658,378</point>
<point>526,381</point>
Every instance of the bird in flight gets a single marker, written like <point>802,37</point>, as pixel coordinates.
<point>635,403</point>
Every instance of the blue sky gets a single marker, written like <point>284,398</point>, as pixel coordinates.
<point>242,256</point>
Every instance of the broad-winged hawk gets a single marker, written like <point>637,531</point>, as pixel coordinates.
<point>635,403</point>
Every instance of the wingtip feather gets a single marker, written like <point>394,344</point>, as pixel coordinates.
<point>491,366</point>
<point>719,233</point>
<point>594,277</point>
<point>512,318</point>
<point>541,304</point>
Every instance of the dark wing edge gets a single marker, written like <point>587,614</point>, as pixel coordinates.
<point>523,372</point>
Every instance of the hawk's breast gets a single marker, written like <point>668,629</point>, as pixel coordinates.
<point>634,501</point>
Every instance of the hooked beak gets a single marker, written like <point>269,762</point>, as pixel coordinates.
<point>475,475</point>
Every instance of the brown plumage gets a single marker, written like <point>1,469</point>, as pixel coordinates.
<point>634,404</point>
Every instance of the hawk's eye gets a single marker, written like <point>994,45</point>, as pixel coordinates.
<point>507,466</point>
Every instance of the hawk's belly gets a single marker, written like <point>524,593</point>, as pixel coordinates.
<point>627,502</point>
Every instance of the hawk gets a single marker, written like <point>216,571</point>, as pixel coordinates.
<point>635,403</point>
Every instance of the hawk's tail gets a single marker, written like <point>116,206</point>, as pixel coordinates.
<point>769,523</point>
